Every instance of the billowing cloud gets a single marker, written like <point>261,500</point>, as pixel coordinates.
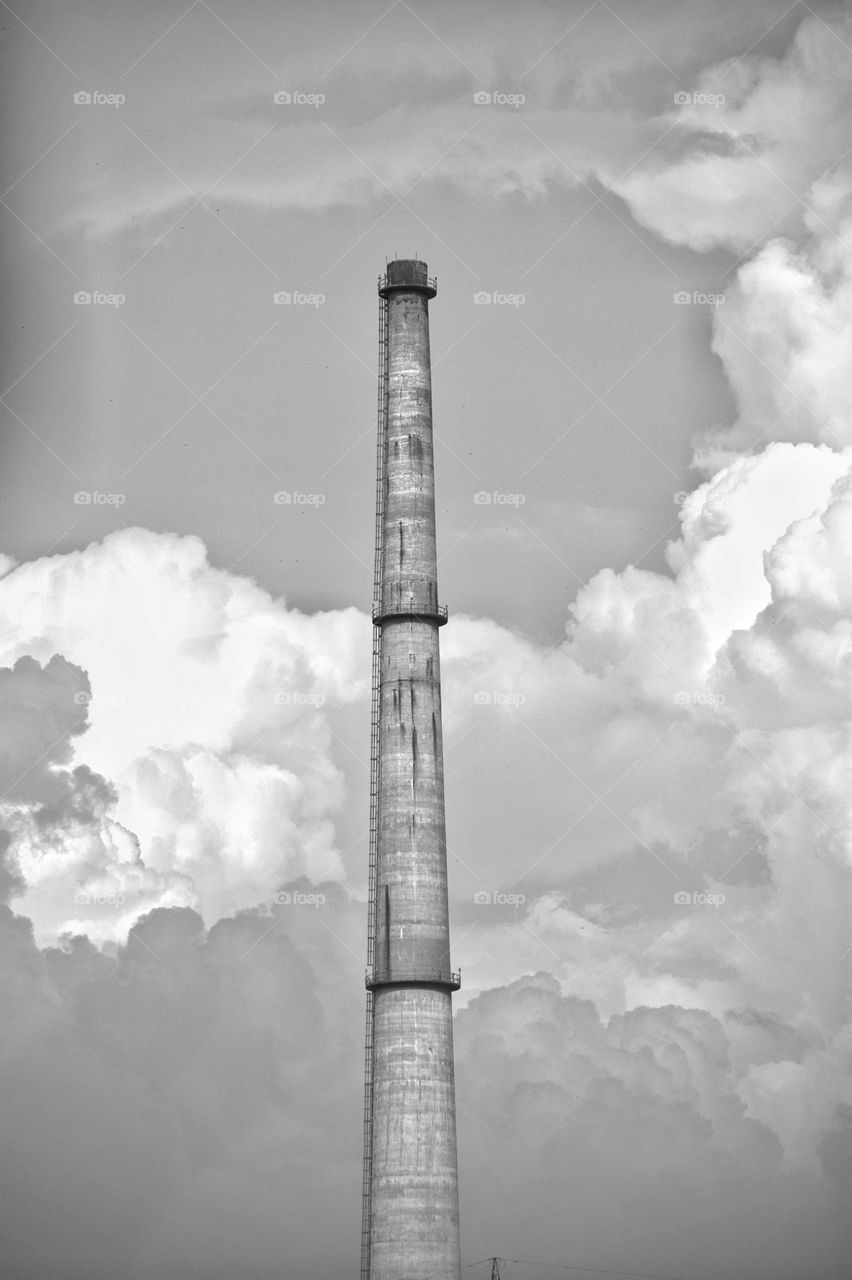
<point>755,134</point>
<point>43,709</point>
<point>783,337</point>
<point>208,715</point>
<point>178,1108</point>
<point>642,1113</point>
<point>60,838</point>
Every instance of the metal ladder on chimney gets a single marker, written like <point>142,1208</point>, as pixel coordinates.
<point>374,786</point>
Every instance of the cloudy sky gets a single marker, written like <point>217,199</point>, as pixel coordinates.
<point>640,217</point>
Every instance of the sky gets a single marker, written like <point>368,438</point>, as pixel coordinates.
<point>640,218</point>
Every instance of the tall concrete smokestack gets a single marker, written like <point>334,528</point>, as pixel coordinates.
<point>411,1215</point>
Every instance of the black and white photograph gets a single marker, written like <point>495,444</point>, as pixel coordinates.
<point>426,640</point>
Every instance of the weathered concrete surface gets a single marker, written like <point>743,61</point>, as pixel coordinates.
<point>415,1223</point>
<point>410,574</point>
<point>415,1231</point>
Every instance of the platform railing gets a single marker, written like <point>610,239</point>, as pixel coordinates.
<point>413,610</point>
<point>426,282</point>
<point>413,977</point>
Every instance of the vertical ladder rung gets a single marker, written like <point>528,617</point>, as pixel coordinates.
<point>375,719</point>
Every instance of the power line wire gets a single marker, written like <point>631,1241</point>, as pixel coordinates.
<point>556,1266</point>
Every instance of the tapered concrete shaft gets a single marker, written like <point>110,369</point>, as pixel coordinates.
<point>414,1232</point>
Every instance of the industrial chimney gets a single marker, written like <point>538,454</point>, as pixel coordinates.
<point>410,1216</point>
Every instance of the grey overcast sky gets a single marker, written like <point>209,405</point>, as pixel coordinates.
<point>639,216</point>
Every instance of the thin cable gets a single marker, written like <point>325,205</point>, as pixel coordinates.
<point>556,1266</point>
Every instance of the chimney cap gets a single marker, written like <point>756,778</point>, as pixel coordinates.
<point>407,273</point>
